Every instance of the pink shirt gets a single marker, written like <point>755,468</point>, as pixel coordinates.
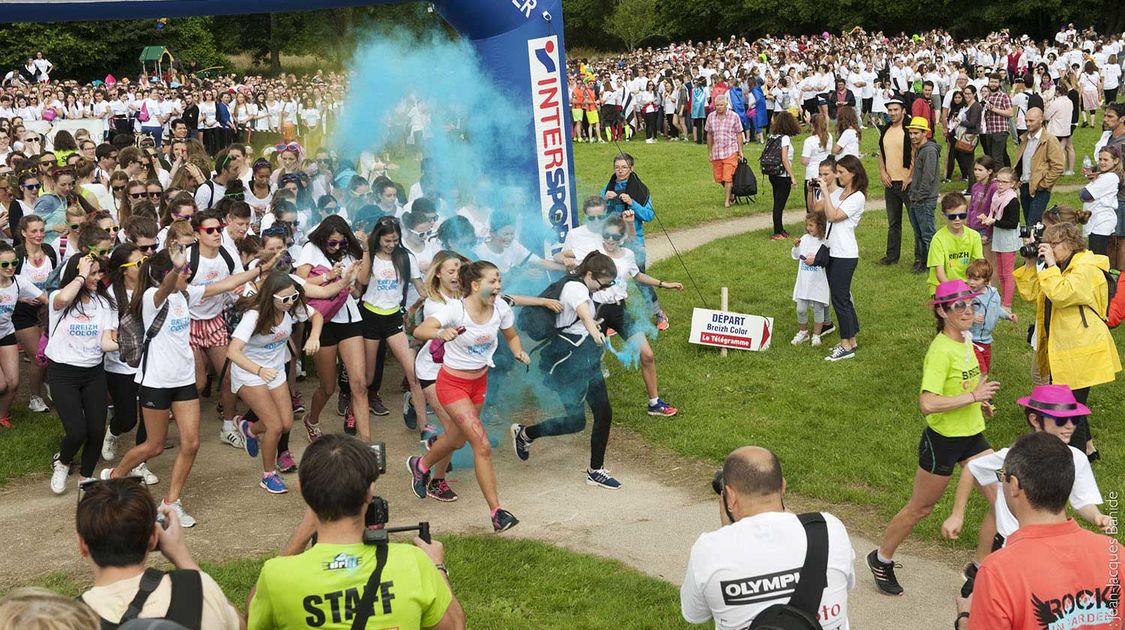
<point>726,133</point>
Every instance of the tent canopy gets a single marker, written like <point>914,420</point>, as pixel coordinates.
<point>153,53</point>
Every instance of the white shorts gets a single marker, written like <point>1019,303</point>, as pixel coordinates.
<point>240,377</point>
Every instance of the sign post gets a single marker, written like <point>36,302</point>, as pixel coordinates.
<point>724,329</point>
<point>723,297</point>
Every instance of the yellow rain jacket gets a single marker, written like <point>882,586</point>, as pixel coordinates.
<point>1079,350</point>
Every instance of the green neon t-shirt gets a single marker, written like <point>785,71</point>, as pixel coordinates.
<point>321,588</point>
<point>951,369</point>
<point>953,254</point>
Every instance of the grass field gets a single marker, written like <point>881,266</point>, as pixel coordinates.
<point>508,583</point>
<point>679,175</point>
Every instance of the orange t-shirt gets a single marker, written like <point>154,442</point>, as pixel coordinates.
<point>1048,576</point>
<point>578,98</point>
<point>591,99</point>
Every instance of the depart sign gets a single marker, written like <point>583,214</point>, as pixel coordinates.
<point>724,329</point>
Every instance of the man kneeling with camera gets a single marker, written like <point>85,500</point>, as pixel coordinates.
<point>341,582</point>
<point>767,568</point>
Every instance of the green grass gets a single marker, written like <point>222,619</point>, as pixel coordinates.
<point>29,446</point>
<point>845,432</point>
<point>679,175</point>
<point>507,583</point>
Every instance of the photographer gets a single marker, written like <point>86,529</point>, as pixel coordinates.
<point>746,570</point>
<point>117,528</point>
<point>1072,343</point>
<point>324,585</point>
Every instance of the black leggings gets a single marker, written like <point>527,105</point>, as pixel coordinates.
<point>123,393</point>
<point>1082,432</point>
<point>699,124</point>
<point>80,401</point>
<point>578,380</point>
<point>965,161</point>
<point>840,272</point>
<point>670,127</point>
<point>782,186</point>
<point>950,162</point>
<point>652,124</point>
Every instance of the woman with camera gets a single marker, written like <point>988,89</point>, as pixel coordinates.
<point>1072,343</point>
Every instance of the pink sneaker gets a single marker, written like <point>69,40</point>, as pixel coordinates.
<point>285,462</point>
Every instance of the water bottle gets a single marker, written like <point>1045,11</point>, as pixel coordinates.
<point>1087,163</point>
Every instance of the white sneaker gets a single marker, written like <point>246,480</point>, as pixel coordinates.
<point>82,480</point>
<point>185,519</point>
<point>231,438</point>
<point>109,446</point>
<point>143,472</point>
<point>1068,173</point>
<point>59,471</point>
<point>36,404</point>
<point>816,340</point>
<point>801,337</point>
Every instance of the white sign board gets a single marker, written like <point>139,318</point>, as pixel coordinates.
<point>730,330</point>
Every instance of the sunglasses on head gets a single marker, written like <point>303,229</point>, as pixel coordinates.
<point>210,230</point>
<point>285,299</point>
<point>957,216</point>
<point>6,264</point>
<point>136,263</point>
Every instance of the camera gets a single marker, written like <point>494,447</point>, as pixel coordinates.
<point>1035,233</point>
<point>717,481</point>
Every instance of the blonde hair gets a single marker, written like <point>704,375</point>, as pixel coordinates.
<point>432,283</point>
<point>40,609</point>
<point>177,229</point>
<point>1007,172</point>
<point>820,128</point>
<point>1068,233</point>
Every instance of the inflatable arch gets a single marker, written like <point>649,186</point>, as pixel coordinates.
<point>520,43</point>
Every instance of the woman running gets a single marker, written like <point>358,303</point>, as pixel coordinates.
<point>81,327</point>
<point>257,352</point>
<point>35,260</point>
<point>13,294</point>
<point>167,382</point>
<point>469,330</point>
<point>572,362</point>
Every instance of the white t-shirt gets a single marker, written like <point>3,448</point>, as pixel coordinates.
<point>573,295</point>
<point>515,256</point>
<point>473,349</point>
<point>626,269</point>
<point>170,361</point>
<point>311,255</point>
<point>36,275</point>
<point>424,366</point>
<point>11,294</point>
<point>849,144</point>
<point>581,241</point>
<point>1103,207</point>
<point>841,234</point>
<point>1111,76</point>
<point>816,154</point>
<point>425,258</point>
<point>737,571</point>
<point>1084,492</point>
<point>208,194</point>
<point>812,281</point>
<point>76,338</point>
<point>210,271</point>
<point>384,288</point>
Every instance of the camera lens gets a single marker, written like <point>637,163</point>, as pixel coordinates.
<point>717,482</point>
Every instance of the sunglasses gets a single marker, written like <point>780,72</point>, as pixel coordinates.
<point>74,226</point>
<point>32,186</point>
<point>31,140</point>
<point>610,236</point>
<point>113,229</point>
<point>118,189</point>
<point>139,195</point>
<point>334,243</point>
<point>46,162</point>
<point>960,307</point>
<point>136,263</point>
<point>98,251</point>
<point>155,195</point>
<point>1002,476</point>
<point>150,249</point>
<point>606,285</point>
<point>5,264</point>
<point>286,299</point>
<point>596,219</point>
<point>957,216</point>
<point>1059,422</point>
<point>210,230</point>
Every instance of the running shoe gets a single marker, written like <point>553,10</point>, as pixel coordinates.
<point>109,446</point>
<point>313,430</point>
<point>342,404</point>
<point>285,462</point>
<point>503,520</point>
<point>186,520</point>
<point>349,422</point>
<point>427,433</point>
<point>602,479</point>
<point>376,407</point>
<point>59,471</point>
<point>6,423</point>
<point>273,484</point>
<point>143,472</point>
<point>409,416</point>
<point>801,337</point>
<point>828,329</point>
<point>419,480</point>
<point>82,480</point>
<point>661,408</point>
<point>520,442</point>
<point>609,332</point>
<point>249,442</point>
<point>662,322</point>
<point>839,353</point>
<point>37,405</point>
<point>777,237</point>
<point>440,490</point>
<point>298,403</point>
<point>231,438</point>
<point>884,573</point>
<point>816,341</point>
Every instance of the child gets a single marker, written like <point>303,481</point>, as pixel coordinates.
<point>953,246</point>
<point>987,311</point>
<point>1004,217</point>
<point>811,288</point>
<point>980,201</point>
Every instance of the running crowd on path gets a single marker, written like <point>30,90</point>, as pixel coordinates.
<point>173,259</point>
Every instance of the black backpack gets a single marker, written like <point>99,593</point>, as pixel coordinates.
<point>538,322</point>
<point>800,613</point>
<point>770,160</point>
<point>21,255</point>
<point>184,611</point>
<point>193,259</point>
<point>743,184</point>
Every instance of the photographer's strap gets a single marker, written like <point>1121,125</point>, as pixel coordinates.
<point>814,573</point>
<point>367,603</point>
<point>149,581</point>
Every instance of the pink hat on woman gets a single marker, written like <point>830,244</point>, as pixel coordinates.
<point>1056,401</point>
<point>952,291</point>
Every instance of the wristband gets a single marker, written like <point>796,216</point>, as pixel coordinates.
<point>440,566</point>
<point>660,284</point>
<point>259,372</point>
<point>957,621</point>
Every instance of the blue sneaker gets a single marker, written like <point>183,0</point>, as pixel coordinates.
<point>409,416</point>
<point>662,408</point>
<point>419,480</point>
<point>520,442</point>
<point>602,479</point>
<point>249,442</point>
<point>273,484</point>
<point>839,353</point>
